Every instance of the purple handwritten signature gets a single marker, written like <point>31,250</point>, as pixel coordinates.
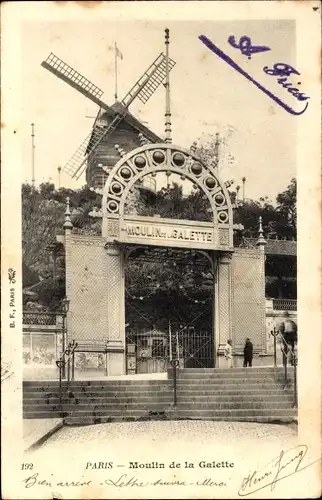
<point>280,70</point>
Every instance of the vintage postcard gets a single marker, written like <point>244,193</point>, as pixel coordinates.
<point>161,250</point>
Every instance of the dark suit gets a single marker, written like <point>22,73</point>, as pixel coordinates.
<point>248,353</point>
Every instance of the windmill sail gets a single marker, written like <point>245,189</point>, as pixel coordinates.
<point>149,81</point>
<point>74,166</point>
<point>76,80</point>
<point>143,90</point>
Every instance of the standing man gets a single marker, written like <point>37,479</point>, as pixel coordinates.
<point>228,352</point>
<point>248,353</point>
<point>288,329</point>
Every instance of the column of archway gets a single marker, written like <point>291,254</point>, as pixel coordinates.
<point>223,305</point>
<point>115,309</point>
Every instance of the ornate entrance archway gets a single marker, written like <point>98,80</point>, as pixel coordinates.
<point>121,230</point>
<point>149,160</point>
<point>95,265</point>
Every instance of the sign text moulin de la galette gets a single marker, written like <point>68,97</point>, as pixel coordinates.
<point>177,233</point>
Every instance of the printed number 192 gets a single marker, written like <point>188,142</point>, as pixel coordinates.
<point>27,466</point>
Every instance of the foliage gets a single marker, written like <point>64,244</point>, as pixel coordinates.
<point>43,211</point>
<point>286,205</point>
<point>42,219</point>
<point>171,203</point>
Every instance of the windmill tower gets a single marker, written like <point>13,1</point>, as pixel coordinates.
<point>114,126</point>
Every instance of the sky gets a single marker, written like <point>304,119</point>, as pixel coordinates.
<point>207,95</point>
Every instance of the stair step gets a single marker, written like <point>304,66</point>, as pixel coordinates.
<point>143,399</point>
<point>236,369</point>
<point>230,392</point>
<point>239,394</point>
<point>235,376</point>
<point>177,413</point>
<point>95,383</point>
<point>158,406</point>
<point>228,384</point>
<point>184,392</point>
<point>258,419</point>
<point>236,412</point>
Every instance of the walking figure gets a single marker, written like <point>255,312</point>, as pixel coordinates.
<point>288,329</point>
<point>228,352</point>
<point>248,353</point>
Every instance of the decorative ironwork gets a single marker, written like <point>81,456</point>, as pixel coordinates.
<point>285,304</point>
<point>195,348</point>
<point>247,243</point>
<point>149,350</point>
<point>40,318</point>
<point>151,159</point>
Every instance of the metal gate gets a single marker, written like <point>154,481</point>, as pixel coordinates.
<point>150,351</point>
<point>147,351</point>
<point>195,348</point>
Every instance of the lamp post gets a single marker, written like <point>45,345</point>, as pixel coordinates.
<point>295,374</point>
<point>65,309</point>
<point>244,182</point>
<point>61,365</point>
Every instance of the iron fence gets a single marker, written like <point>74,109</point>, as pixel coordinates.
<point>285,304</point>
<point>40,318</point>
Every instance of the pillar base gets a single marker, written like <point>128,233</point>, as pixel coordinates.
<point>116,363</point>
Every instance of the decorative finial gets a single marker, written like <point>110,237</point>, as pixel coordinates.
<point>68,223</point>
<point>193,147</point>
<point>261,240</point>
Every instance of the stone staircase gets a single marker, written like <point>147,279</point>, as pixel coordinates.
<point>238,394</point>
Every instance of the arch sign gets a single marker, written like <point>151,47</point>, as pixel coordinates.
<point>118,227</point>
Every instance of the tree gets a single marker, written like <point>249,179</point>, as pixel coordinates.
<point>286,206</point>
<point>42,219</point>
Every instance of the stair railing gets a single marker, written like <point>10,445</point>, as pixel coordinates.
<point>68,353</point>
<point>174,362</point>
<point>290,348</point>
<point>274,333</point>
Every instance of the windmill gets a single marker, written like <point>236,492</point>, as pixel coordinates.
<point>143,89</point>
